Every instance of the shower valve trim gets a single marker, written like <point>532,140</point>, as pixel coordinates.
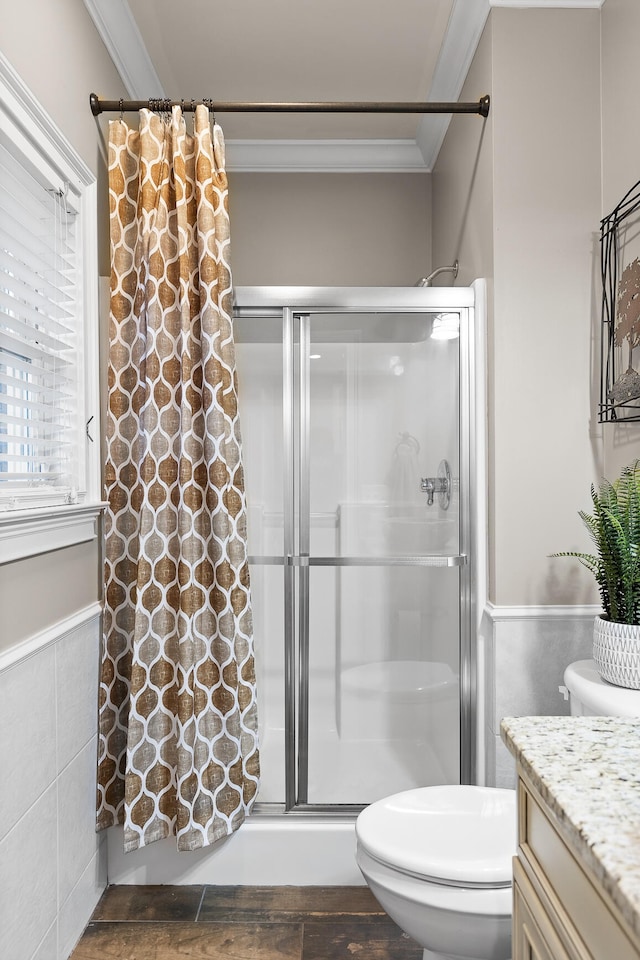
<point>440,485</point>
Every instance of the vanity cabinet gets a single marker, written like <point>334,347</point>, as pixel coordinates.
<point>560,909</point>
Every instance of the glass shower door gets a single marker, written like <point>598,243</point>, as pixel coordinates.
<point>378,609</point>
<point>355,435</point>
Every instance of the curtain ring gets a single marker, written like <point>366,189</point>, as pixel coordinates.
<point>121,110</point>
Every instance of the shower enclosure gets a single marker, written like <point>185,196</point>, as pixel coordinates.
<point>357,409</point>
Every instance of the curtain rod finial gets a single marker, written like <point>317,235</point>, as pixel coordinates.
<point>95,104</point>
<point>485,103</point>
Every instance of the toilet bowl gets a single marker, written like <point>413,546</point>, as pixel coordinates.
<point>438,860</point>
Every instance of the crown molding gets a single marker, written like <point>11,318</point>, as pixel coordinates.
<point>466,23</point>
<point>120,34</point>
<point>324,156</point>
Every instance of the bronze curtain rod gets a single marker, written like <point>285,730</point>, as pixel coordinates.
<point>188,106</point>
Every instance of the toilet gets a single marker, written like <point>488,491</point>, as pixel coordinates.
<point>591,696</point>
<point>438,859</point>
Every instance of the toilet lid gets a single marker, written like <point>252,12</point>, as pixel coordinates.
<point>457,834</point>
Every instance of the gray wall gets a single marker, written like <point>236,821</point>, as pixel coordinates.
<point>58,54</point>
<point>519,202</point>
<point>48,701</point>
<point>521,199</point>
<point>332,229</point>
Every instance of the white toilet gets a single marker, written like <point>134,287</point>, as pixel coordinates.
<point>591,696</point>
<point>438,859</point>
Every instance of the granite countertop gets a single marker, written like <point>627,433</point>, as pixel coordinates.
<point>587,770</point>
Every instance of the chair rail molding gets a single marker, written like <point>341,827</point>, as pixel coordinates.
<point>52,634</point>
<point>542,612</point>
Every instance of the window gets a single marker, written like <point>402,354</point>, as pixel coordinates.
<point>49,466</point>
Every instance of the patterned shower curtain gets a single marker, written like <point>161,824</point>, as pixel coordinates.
<point>178,725</point>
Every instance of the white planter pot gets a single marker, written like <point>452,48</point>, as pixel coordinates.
<point>616,651</point>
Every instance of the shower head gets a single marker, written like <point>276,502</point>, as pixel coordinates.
<point>426,281</point>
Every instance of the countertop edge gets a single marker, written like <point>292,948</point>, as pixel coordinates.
<point>603,858</point>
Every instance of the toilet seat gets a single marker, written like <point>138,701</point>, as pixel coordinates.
<point>460,835</point>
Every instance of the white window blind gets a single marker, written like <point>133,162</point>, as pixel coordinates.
<point>40,336</point>
<point>49,368</point>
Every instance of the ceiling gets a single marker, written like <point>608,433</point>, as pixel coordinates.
<point>298,50</point>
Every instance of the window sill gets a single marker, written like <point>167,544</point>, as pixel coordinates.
<point>26,533</point>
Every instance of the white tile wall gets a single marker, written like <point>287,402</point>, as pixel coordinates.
<point>52,862</point>
<point>27,735</point>
<point>74,913</point>
<point>527,650</point>
<point>28,878</point>
<point>48,949</point>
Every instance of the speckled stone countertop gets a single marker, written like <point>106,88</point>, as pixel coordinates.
<point>587,770</point>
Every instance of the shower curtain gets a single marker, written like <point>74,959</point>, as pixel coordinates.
<point>178,748</point>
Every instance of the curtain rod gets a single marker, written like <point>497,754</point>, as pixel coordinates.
<point>188,106</point>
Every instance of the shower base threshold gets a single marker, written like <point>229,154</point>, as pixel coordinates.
<point>265,851</point>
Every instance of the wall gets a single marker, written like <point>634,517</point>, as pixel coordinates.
<point>62,83</point>
<point>546,216</point>
<point>330,229</point>
<point>519,202</point>
<point>620,166</point>
<point>52,865</point>
<point>39,591</point>
<point>462,182</point>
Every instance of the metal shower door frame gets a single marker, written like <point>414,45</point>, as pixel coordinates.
<point>296,305</point>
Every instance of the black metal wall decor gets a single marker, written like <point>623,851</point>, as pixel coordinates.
<point>620,328</point>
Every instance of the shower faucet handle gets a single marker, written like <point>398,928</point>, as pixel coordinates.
<point>440,485</point>
<point>427,485</point>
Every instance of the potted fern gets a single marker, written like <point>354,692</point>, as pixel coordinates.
<point>614,527</point>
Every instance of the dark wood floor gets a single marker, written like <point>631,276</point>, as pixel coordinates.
<point>242,923</point>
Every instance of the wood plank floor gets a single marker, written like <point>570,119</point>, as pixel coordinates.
<point>242,923</point>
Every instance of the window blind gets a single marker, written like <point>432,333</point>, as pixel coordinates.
<point>40,335</point>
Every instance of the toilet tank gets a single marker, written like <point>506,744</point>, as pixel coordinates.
<point>591,696</point>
